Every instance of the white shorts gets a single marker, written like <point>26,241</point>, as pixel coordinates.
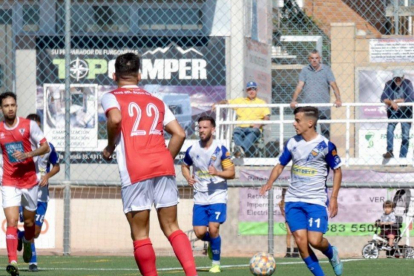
<point>161,191</point>
<point>13,196</point>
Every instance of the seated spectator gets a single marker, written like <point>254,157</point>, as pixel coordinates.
<point>387,221</point>
<point>246,135</point>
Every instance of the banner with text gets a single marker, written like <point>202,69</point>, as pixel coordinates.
<point>187,74</point>
<point>358,208</point>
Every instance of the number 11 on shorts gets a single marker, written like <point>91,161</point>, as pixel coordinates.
<point>317,221</point>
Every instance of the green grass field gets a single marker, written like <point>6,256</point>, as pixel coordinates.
<point>107,265</point>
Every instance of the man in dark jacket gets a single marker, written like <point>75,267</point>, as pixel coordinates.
<point>398,90</point>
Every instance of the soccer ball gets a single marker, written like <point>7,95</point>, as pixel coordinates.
<point>262,264</point>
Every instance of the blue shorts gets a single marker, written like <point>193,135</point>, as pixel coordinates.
<point>302,215</point>
<point>40,213</point>
<point>203,214</point>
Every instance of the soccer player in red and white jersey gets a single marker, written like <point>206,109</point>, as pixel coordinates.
<point>19,180</point>
<point>136,124</point>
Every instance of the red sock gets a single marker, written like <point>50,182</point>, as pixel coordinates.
<point>11,241</point>
<point>145,257</point>
<point>182,249</point>
<point>29,232</point>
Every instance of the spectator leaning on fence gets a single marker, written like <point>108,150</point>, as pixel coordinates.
<point>398,90</point>
<point>315,81</point>
<point>246,135</point>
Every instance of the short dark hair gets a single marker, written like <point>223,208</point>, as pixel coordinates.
<point>310,111</point>
<point>388,203</point>
<point>6,95</point>
<point>314,51</point>
<point>207,118</point>
<point>34,117</point>
<point>127,65</point>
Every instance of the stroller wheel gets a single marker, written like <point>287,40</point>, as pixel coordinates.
<point>370,251</point>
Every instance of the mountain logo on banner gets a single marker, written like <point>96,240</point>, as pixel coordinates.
<point>173,62</point>
<point>178,48</point>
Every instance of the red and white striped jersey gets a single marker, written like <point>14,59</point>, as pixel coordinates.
<point>141,150</point>
<point>24,137</point>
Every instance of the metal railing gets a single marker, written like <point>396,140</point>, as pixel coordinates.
<point>225,134</point>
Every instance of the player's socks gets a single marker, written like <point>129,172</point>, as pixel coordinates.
<point>206,237</point>
<point>145,257</point>
<point>182,249</point>
<point>29,232</point>
<point>11,242</point>
<point>313,265</point>
<point>215,248</point>
<point>328,252</point>
<point>20,234</point>
<point>34,256</point>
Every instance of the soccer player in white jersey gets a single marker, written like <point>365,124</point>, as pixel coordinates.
<point>136,123</point>
<point>18,140</point>
<point>211,167</point>
<point>306,199</point>
<point>47,166</point>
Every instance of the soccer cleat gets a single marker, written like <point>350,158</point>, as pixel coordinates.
<point>215,268</point>
<point>12,269</point>
<point>288,255</point>
<point>27,251</point>
<point>336,262</point>
<point>33,268</point>
<point>209,252</point>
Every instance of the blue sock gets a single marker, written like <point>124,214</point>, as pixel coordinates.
<point>206,237</point>
<point>313,265</point>
<point>20,234</point>
<point>215,248</point>
<point>328,252</point>
<point>34,257</point>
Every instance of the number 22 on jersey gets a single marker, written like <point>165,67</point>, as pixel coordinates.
<point>150,111</point>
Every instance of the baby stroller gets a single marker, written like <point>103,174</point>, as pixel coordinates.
<point>404,213</point>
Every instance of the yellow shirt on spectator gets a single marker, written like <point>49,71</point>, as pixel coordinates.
<point>249,113</point>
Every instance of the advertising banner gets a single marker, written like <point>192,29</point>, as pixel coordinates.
<point>391,50</point>
<point>189,75</point>
<point>372,137</point>
<point>358,208</point>
<point>83,115</point>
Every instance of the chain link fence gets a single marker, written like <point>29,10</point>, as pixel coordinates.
<point>58,56</point>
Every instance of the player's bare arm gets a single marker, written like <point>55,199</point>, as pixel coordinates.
<point>42,149</point>
<point>113,127</point>
<point>177,138</point>
<point>45,179</point>
<point>226,173</point>
<point>333,202</point>
<point>185,170</point>
<point>277,170</point>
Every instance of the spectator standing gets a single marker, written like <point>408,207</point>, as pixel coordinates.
<point>398,90</point>
<point>315,81</point>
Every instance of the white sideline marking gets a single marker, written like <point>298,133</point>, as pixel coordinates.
<point>173,268</point>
